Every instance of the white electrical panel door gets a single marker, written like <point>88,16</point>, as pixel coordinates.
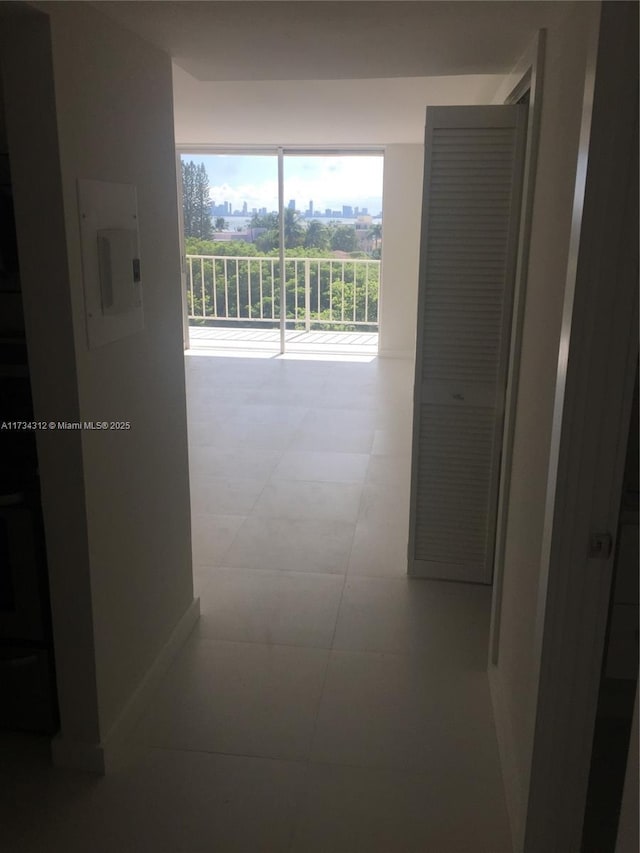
<point>470,215</point>
<point>110,260</point>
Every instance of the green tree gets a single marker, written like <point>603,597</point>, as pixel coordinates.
<point>344,239</point>
<point>188,197</point>
<point>375,233</point>
<point>317,236</point>
<point>264,220</point>
<point>203,207</point>
<point>196,201</point>
<point>221,224</point>
<point>269,238</point>
<point>268,241</point>
<point>293,229</point>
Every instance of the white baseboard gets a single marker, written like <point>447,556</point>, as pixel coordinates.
<point>511,777</point>
<point>111,751</point>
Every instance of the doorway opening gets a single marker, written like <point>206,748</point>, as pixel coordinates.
<point>297,276</point>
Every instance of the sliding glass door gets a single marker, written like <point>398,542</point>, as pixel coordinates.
<point>333,242</point>
<point>281,248</point>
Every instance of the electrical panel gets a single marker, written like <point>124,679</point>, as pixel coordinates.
<point>110,261</point>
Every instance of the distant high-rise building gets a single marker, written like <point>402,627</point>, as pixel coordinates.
<point>327,211</point>
<point>347,211</point>
<point>292,204</point>
<point>311,207</point>
<point>219,209</point>
<point>365,211</point>
<point>244,208</point>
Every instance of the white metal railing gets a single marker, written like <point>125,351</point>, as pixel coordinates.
<point>319,291</point>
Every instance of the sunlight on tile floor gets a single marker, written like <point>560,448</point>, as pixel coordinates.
<point>324,702</point>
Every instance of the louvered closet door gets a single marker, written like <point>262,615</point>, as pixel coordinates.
<point>471,205</point>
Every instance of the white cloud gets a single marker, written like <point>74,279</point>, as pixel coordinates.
<point>256,195</point>
<point>329,181</point>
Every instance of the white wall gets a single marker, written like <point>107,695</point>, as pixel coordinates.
<point>513,679</point>
<point>132,581</point>
<point>115,119</point>
<point>317,112</point>
<point>403,169</point>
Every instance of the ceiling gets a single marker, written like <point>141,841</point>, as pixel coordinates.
<point>242,41</point>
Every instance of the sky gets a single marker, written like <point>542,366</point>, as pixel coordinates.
<point>329,181</point>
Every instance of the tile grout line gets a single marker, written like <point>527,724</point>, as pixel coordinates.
<point>331,642</point>
<point>299,812</point>
<point>303,762</point>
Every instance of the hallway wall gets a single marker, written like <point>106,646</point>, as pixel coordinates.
<point>123,574</point>
<point>115,119</point>
<point>403,169</point>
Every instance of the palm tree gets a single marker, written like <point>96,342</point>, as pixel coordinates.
<point>375,233</point>
<point>293,228</point>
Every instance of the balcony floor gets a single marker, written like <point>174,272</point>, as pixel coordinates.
<point>329,343</point>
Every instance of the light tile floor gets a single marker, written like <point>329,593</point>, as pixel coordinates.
<point>324,702</point>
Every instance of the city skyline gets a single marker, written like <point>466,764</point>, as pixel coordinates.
<point>343,211</point>
<point>328,181</point>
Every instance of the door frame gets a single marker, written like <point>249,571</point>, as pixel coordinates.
<point>183,257</point>
<point>527,75</point>
<point>594,391</point>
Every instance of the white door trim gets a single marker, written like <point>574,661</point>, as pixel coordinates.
<point>528,73</point>
<point>594,388</point>
<point>281,254</point>
<point>183,262</point>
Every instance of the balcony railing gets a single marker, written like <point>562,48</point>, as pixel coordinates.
<point>321,293</point>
